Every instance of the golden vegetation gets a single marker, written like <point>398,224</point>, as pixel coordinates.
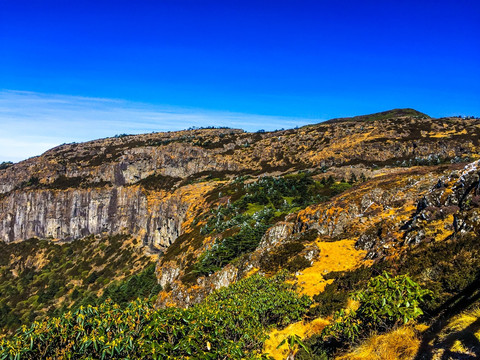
<point>399,344</point>
<point>301,328</point>
<point>460,338</point>
<point>334,256</point>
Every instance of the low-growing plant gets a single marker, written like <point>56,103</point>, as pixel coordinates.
<point>294,343</point>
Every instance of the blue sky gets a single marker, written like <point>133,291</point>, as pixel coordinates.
<point>73,71</point>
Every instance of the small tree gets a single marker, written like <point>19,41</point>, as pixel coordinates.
<point>353,178</point>
<point>330,180</point>
<point>363,178</point>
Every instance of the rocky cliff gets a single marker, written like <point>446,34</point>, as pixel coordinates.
<point>103,186</point>
<point>75,213</point>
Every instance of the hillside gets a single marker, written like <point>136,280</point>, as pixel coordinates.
<point>200,220</point>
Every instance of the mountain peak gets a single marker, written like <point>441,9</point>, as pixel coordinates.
<point>389,114</point>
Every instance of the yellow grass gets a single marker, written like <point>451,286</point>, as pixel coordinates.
<point>464,320</point>
<point>334,256</point>
<point>403,343</point>
<point>455,337</point>
<point>252,271</point>
<point>439,229</point>
<point>399,344</point>
<point>302,329</point>
<point>447,133</point>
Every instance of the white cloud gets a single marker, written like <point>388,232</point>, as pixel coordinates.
<point>31,123</point>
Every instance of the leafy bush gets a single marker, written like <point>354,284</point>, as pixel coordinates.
<point>386,301</point>
<point>330,300</point>
<point>267,300</point>
<point>335,295</point>
<point>230,323</point>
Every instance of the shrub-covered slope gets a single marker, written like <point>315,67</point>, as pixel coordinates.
<point>230,323</point>
<point>39,277</point>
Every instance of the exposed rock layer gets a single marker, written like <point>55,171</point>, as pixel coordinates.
<point>79,189</point>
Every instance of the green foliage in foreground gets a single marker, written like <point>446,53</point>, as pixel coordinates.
<point>386,301</point>
<point>230,324</point>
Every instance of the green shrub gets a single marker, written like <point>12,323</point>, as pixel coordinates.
<point>330,300</point>
<point>230,323</point>
<point>386,301</point>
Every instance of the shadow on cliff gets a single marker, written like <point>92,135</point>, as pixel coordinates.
<point>443,315</point>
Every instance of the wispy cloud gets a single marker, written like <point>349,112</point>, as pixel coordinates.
<point>31,123</point>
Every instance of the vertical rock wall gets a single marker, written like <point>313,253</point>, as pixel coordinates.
<point>75,213</point>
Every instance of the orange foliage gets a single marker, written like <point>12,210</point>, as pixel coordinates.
<point>399,344</point>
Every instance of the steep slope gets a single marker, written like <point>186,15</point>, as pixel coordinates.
<point>437,245</point>
<point>363,223</point>
<point>39,277</point>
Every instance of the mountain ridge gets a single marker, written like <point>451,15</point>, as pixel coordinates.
<point>389,114</point>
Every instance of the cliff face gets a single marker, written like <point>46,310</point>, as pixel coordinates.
<point>106,185</point>
<point>74,213</point>
<point>81,189</point>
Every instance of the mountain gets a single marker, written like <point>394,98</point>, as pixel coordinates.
<point>195,217</point>
<point>384,115</point>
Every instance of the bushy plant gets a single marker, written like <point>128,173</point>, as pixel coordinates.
<point>231,323</point>
<point>386,301</point>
